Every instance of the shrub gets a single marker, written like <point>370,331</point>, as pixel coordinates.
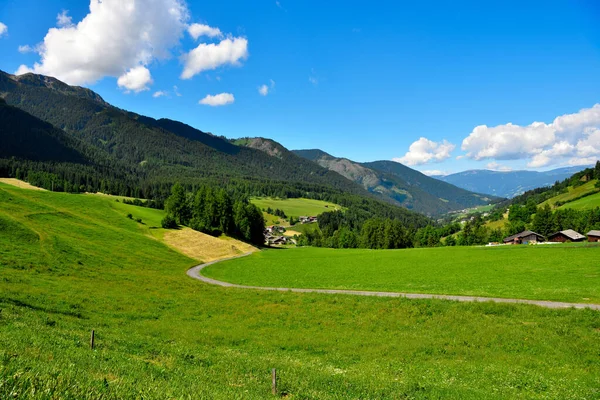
<point>168,222</point>
<point>129,216</point>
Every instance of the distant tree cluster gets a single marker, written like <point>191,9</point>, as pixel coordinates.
<point>214,212</point>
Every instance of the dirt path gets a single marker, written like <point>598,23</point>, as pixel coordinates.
<point>195,272</point>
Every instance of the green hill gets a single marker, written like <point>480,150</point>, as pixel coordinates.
<point>70,264</point>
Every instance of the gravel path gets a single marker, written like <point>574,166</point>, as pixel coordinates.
<point>194,272</point>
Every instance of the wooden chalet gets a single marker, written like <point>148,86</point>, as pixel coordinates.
<point>524,237</point>
<point>568,235</point>
<point>593,236</point>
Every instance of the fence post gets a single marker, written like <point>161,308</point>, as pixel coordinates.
<point>92,340</point>
<point>274,380</point>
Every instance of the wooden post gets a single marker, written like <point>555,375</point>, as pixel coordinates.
<point>274,380</point>
<point>92,340</point>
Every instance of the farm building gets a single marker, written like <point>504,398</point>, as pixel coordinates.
<point>568,235</point>
<point>593,236</point>
<point>524,237</point>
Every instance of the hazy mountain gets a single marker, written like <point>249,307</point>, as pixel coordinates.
<point>400,184</point>
<point>510,183</point>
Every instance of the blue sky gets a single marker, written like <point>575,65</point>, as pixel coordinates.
<point>373,80</point>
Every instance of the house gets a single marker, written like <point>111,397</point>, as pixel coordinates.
<point>566,236</point>
<point>593,236</point>
<point>524,237</point>
<point>279,240</point>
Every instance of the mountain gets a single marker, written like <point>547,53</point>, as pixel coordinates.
<point>24,136</point>
<point>400,184</point>
<point>124,153</point>
<point>508,184</point>
<point>163,147</point>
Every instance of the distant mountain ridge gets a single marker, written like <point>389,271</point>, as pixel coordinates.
<point>400,184</point>
<point>508,183</point>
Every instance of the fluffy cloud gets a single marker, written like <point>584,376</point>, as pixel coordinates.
<point>230,51</point>
<point>3,29</point>
<point>136,79</point>
<point>114,38</point>
<point>158,94</point>
<point>26,49</point>
<point>263,90</point>
<point>572,138</point>
<point>198,30</point>
<point>218,100</point>
<point>64,20</point>
<point>424,151</point>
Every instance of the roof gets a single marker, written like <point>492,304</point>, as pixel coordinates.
<point>520,235</point>
<point>593,233</point>
<point>571,234</point>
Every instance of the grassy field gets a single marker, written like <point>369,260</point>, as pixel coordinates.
<point>573,192</point>
<point>73,263</point>
<point>585,203</point>
<point>296,207</point>
<point>545,272</point>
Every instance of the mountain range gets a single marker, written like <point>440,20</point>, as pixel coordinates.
<point>400,184</point>
<point>508,183</point>
<point>47,121</point>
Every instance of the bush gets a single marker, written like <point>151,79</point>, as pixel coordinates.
<point>138,220</point>
<point>168,222</point>
<point>129,216</point>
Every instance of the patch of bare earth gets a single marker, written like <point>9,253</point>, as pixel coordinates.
<point>205,248</point>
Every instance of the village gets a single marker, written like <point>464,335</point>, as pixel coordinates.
<point>275,234</point>
<point>566,236</point>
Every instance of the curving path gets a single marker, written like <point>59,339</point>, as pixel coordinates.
<point>194,272</point>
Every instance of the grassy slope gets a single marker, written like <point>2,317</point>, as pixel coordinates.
<point>584,203</point>
<point>296,207</point>
<point>550,272</point>
<point>69,264</point>
<point>572,193</point>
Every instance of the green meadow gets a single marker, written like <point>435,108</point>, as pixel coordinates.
<point>73,263</point>
<point>585,203</point>
<point>545,272</point>
<point>296,207</point>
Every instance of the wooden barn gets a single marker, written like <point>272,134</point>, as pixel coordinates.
<point>568,235</point>
<point>524,237</point>
<point>593,236</point>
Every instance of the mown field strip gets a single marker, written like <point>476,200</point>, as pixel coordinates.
<point>195,272</point>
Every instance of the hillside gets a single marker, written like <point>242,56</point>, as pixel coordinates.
<point>75,263</point>
<point>400,184</point>
<point>24,136</point>
<point>508,183</point>
<point>161,148</point>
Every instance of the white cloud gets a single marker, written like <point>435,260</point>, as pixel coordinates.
<point>567,139</point>
<point>211,56</point>
<point>313,80</point>
<point>160,93</point>
<point>23,69</point>
<point>26,49</point>
<point>424,151</point>
<point>198,30</point>
<point>218,100</point>
<point>63,20</point>
<point>494,166</point>
<point>3,29</point>
<point>176,91</point>
<point>436,172</point>
<point>136,79</point>
<point>263,90</point>
<point>113,38</point>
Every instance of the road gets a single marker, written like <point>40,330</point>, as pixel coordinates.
<point>195,272</point>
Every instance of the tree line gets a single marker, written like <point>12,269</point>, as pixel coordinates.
<point>214,212</point>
